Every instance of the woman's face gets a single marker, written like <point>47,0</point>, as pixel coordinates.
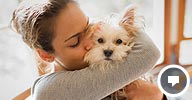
<point>69,42</point>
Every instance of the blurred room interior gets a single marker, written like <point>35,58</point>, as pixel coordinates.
<point>168,22</point>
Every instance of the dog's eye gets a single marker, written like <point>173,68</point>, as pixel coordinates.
<point>100,40</point>
<point>119,41</point>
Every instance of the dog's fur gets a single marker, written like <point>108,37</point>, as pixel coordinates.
<point>108,51</point>
<point>113,40</point>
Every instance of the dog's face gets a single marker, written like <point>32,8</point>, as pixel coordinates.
<point>110,40</point>
<point>110,44</point>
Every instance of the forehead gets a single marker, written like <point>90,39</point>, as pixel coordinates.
<point>70,20</point>
<point>111,31</point>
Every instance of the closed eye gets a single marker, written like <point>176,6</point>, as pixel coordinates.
<point>75,44</point>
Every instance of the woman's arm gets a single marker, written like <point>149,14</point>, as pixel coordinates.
<point>89,84</point>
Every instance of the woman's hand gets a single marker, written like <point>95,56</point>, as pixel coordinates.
<point>143,90</point>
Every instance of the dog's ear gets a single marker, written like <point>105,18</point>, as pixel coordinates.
<point>128,20</point>
<point>128,15</point>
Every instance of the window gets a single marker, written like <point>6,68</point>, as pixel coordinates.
<point>185,57</point>
<point>188,19</point>
<point>184,33</point>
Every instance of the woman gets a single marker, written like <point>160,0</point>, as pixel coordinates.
<point>55,30</point>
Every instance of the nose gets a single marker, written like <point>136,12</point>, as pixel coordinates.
<point>88,44</point>
<point>108,53</point>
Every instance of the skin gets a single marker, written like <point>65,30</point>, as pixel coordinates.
<point>69,42</point>
<point>71,45</point>
<point>143,90</point>
<point>70,38</point>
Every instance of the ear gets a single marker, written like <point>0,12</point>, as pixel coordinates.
<point>129,15</point>
<point>45,56</point>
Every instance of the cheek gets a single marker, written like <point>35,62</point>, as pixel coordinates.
<point>74,58</point>
<point>77,54</point>
<point>94,55</point>
<point>120,52</point>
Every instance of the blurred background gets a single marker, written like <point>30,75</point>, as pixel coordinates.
<point>168,22</point>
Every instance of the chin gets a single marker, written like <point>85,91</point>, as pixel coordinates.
<point>81,66</point>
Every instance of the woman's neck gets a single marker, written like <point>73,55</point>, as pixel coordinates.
<point>58,67</point>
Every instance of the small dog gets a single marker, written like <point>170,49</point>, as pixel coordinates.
<point>113,40</point>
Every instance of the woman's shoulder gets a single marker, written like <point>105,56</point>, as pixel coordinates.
<point>48,77</point>
<point>45,81</point>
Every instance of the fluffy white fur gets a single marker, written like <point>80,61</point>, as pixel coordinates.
<point>113,40</point>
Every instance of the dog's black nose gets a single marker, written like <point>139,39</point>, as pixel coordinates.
<point>108,53</point>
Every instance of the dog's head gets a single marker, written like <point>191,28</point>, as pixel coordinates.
<point>111,39</point>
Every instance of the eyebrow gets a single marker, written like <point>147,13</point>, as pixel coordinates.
<point>77,33</point>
